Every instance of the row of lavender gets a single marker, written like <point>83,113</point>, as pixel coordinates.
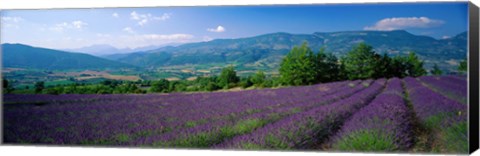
<point>383,125</point>
<point>454,87</point>
<point>215,133</point>
<point>119,119</point>
<point>386,124</point>
<point>349,115</point>
<point>302,130</point>
<point>444,117</point>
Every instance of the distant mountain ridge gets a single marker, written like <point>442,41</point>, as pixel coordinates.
<point>24,56</point>
<point>253,53</point>
<point>105,49</point>
<point>268,49</point>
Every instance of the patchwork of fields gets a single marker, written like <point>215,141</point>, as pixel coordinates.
<point>425,114</point>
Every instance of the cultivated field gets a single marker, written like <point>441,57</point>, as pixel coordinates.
<point>426,114</point>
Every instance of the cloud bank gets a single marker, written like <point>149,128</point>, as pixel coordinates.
<point>60,27</point>
<point>397,23</point>
<point>143,19</point>
<point>11,22</point>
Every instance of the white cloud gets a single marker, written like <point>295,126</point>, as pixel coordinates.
<point>404,23</point>
<point>79,24</point>
<point>218,29</point>
<point>143,22</point>
<point>12,19</point>
<point>143,19</point>
<point>164,17</point>
<point>445,37</point>
<point>60,27</point>
<point>129,30</point>
<point>135,16</point>
<point>11,22</point>
<point>115,15</point>
<point>166,37</point>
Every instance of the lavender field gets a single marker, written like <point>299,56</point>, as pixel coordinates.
<point>425,114</point>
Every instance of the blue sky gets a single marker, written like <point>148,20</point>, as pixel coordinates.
<point>138,27</point>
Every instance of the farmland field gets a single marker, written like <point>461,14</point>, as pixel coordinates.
<point>424,114</point>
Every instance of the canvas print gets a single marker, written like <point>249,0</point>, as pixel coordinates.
<point>378,77</point>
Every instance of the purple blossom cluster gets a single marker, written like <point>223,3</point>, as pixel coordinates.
<point>451,86</point>
<point>428,103</point>
<point>299,117</point>
<point>444,118</point>
<point>99,119</point>
<point>215,129</point>
<point>387,115</point>
<point>303,129</point>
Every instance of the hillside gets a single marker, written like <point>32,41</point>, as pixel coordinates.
<point>266,51</point>
<point>24,56</point>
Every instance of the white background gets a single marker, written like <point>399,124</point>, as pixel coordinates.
<point>83,151</point>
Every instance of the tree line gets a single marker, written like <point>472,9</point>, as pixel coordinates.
<point>301,66</point>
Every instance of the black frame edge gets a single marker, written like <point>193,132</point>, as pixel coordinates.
<point>473,78</point>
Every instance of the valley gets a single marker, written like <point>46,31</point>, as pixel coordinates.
<point>25,65</point>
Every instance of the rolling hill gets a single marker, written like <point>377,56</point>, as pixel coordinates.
<point>266,51</point>
<point>24,56</point>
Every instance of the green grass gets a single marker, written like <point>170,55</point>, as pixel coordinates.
<point>434,122</point>
<point>456,138</point>
<point>190,124</point>
<point>247,125</point>
<point>451,139</point>
<point>250,146</point>
<point>275,142</point>
<point>122,137</point>
<point>367,141</point>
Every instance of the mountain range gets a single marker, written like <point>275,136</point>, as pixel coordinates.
<point>258,52</point>
<point>24,56</point>
<point>272,47</point>
<point>105,49</point>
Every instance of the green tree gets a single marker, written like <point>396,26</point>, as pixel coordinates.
<point>258,79</point>
<point>246,82</point>
<point>360,62</point>
<point>7,87</point>
<point>53,91</point>
<point>463,67</point>
<point>414,66</point>
<point>5,84</point>
<point>160,86</point>
<point>383,67</point>
<point>398,67</point>
<point>436,70</point>
<point>39,86</point>
<point>298,67</point>
<point>180,87</point>
<point>211,86</point>
<point>228,77</point>
<point>326,66</point>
